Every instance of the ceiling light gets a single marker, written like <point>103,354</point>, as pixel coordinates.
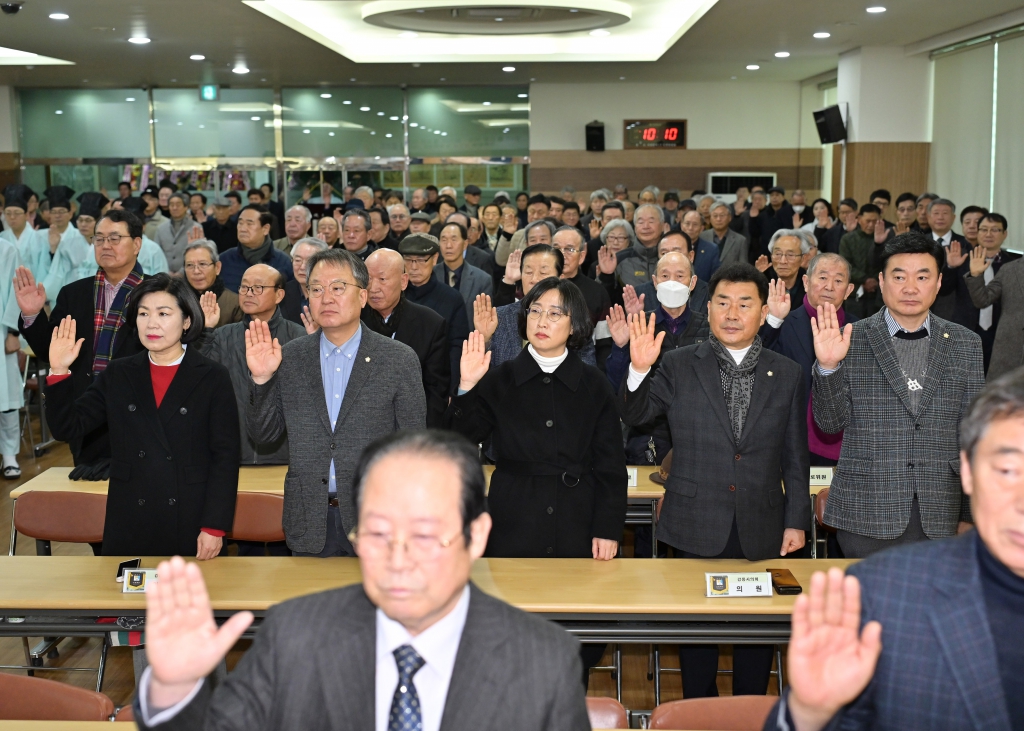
<point>405,117</point>
<point>733,77</point>
<point>59,111</point>
<point>352,79</point>
<point>753,67</point>
<point>325,96</point>
<point>388,134</point>
<point>305,131</point>
<point>411,124</point>
<point>377,157</point>
<point>782,54</point>
<point>498,20</point>
<point>380,114</point>
<point>240,69</point>
<point>822,34</point>
<point>346,102</point>
<point>59,16</point>
<point>622,78</point>
<point>138,40</point>
<point>364,109</point>
<point>393,119</point>
<point>487,104</point>
<point>600,33</point>
<point>876,9</point>
<point>372,132</point>
<point>444,134</point>
<point>180,123</point>
<point>197,57</point>
<point>505,131</point>
<point>330,134</point>
<point>508,69</point>
<point>443,79</point>
<point>202,126</point>
<point>130,99</point>
<point>573,10</point>
<point>437,131</point>
<point>408,34</point>
<point>255,119</point>
<point>523,96</point>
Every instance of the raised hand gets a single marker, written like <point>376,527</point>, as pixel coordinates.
<point>797,220</point>
<point>631,301</point>
<point>485,317</point>
<point>63,347</point>
<point>644,346</point>
<point>979,263</point>
<point>831,660</point>
<point>31,296</point>
<point>762,264</point>
<point>606,260</point>
<point>831,342</point>
<point>618,326</point>
<point>195,233</point>
<point>779,301</point>
<point>595,228</point>
<point>881,232</point>
<point>306,193</point>
<point>183,643</point>
<point>307,321</point>
<point>955,255</point>
<point>476,359</point>
<point>513,267</point>
<point>211,309</point>
<point>262,353</point>
<point>509,222</point>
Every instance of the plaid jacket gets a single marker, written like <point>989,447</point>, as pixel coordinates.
<point>888,454</point>
<point>938,668</point>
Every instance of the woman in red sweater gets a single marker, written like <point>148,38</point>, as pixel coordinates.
<point>174,433</point>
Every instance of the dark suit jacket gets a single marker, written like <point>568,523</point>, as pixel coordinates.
<point>938,668</point>
<point>426,333</point>
<point>291,305</point>
<point>313,667</point>
<point>77,299</point>
<point>719,479</point>
<point>482,258</point>
<point>384,394</point>
<point>173,470</point>
<point>945,304</point>
<point>889,453</point>
<point>1005,291</point>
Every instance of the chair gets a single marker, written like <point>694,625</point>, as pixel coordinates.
<point>654,670</point>
<point>731,713</point>
<point>69,517</point>
<point>258,517</point>
<point>819,530</point>
<point>606,713</point>
<point>35,699</point>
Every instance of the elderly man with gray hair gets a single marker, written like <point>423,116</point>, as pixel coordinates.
<point>202,272</point>
<point>638,263</point>
<point>295,306</point>
<point>177,232</point>
<point>787,248</point>
<point>297,220</point>
<point>787,331</point>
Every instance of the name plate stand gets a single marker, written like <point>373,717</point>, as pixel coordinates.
<point>753,584</point>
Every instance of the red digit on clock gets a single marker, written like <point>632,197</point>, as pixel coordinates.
<point>672,134</point>
<point>650,134</point>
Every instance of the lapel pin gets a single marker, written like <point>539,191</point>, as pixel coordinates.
<point>770,373</point>
<point>945,335</point>
<point>367,359</point>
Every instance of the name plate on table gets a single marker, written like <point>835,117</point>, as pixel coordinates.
<point>822,476</point>
<point>632,472</point>
<point>739,584</point>
<point>136,581</point>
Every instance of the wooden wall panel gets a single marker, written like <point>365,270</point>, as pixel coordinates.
<point>896,166</point>
<point>686,170</point>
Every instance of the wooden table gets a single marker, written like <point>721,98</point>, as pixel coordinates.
<point>64,726</point>
<point>625,600</point>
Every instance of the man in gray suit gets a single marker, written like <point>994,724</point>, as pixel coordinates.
<point>732,247</point>
<point>897,385</point>
<point>454,271</point>
<point>415,646</point>
<point>371,387</point>
<point>739,411</point>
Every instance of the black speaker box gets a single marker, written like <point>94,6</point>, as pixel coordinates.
<point>830,125</point>
<point>595,137</point>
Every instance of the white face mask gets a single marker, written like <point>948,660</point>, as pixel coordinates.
<point>673,294</point>
<point>798,209</point>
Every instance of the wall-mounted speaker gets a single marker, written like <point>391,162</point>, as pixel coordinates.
<point>595,137</point>
<point>831,127</point>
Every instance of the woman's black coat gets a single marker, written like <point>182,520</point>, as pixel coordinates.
<point>173,470</point>
<point>563,422</point>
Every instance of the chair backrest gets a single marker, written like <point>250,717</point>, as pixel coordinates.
<point>606,713</point>
<point>71,517</point>
<point>819,509</point>
<point>731,713</point>
<point>258,517</point>
<point>125,714</point>
<point>36,699</point>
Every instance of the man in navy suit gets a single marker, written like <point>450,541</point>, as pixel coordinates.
<point>787,331</point>
<point>926,636</point>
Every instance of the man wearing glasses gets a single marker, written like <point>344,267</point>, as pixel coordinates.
<point>255,246</point>
<point>202,272</point>
<point>371,387</point>
<point>787,248</point>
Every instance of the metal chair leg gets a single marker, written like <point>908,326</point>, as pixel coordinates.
<point>814,527</point>
<point>778,661</point>
<point>617,661</point>
<point>28,656</point>
<point>103,663</point>
<point>657,676</point>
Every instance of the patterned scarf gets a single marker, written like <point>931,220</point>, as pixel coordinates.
<point>737,381</point>
<point>107,324</point>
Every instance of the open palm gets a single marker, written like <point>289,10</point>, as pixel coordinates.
<point>476,359</point>
<point>30,296</point>
<point>63,346</point>
<point>831,342</point>
<point>485,317</point>
<point>211,309</point>
<point>617,325</point>
<point>644,345</point>
<point>262,353</point>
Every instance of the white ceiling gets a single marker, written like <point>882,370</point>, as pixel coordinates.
<point>730,35</point>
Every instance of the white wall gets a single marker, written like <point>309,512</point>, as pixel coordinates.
<point>719,115</point>
<point>889,94</point>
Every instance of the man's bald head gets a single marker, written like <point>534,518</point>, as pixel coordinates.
<point>675,260</point>
<point>385,260</point>
<point>263,274</point>
<point>388,279</point>
<point>261,291</point>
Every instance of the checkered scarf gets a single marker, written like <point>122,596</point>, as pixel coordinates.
<point>107,323</point>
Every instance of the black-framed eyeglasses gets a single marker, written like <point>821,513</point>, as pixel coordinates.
<point>256,289</point>
<point>114,239</point>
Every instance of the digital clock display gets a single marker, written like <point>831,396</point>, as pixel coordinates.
<point>645,134</point>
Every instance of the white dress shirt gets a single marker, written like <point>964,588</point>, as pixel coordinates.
<point>437,645</point>
<point>945,239</point>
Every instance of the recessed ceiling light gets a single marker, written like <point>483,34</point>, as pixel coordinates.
<point>140,40</point>
<point>305,131</point>
<point>622,78</point>
<point>59,111</point>
<point>782,54</point>
<point>180,123</point>
<point>437,131</point>
<point>393,119</point>
<point>330,134</point>
<point>377,157</point>
<point>197,57</point>
<point>523,96</point>
<point>487,104</point>
<point>600,33</point>
<point>498,20</point>
<point>346,102</point>
<point>59,16</point>
<point>240,70</point>
<point>408,34</point>
<point>505,131</point>
<point>364,109</point>
<point>388,135</point>
<point>130,99</point>
<point>823,34</point>
<point>444,134</point>
<point>876,9</point>
<point>325,96</point>
<point>508,69</point>
<point>255,119</point>
<point>202,126</point>
<point>380,114</point>
<point>405,117</point>
<point>573,10</point>
<point>352,79</point>
<point>413,124</point>
<point>372,132</point>
<point>753,67</point>
<point>443,79</point>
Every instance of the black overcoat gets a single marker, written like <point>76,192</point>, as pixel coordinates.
<point>173,470</point>
<point>548,430</point>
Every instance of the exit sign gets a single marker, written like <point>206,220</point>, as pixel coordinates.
<point>209,93</point>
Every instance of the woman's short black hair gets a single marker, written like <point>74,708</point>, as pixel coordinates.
<point>828,206</point>
<point>177,288</point>
<point>544,249</point>
<point>739,272</point>
<point>573,302</point>
<point>912,242</point>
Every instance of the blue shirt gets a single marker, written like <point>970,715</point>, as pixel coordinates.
<point>335,369</point>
